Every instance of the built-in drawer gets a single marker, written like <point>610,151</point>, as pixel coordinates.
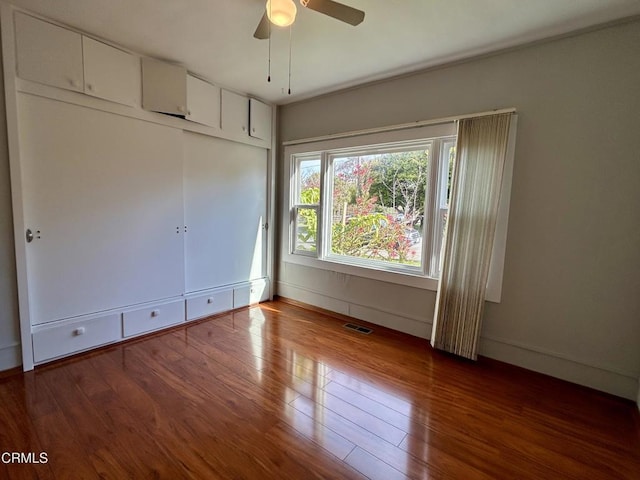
<point>259,291</point>
<point>54,341</point>
<point>152,318</point>
<point>241,296</point>
<point>209,304</point>
<point>255,292</point>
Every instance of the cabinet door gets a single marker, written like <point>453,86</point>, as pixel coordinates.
<point>48,54</point>
<point>103,193</point>
<point>225,205</point>
<point>164,87</point>
<point>110,73</point>
<point>203,102</point>
<point>260,119</point>
<point>235,113</point>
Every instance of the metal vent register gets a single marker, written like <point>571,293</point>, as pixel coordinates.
<point>358,328</point>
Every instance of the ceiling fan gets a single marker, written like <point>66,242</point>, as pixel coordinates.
<point>283,13</point>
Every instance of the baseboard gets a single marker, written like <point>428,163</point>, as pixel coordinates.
<point>10,356</point>
<point>621,384</point>
<point>606,379</point>
<point>404,324</point>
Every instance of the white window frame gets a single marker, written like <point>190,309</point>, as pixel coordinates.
<point>296,205</point>
<point>362,141</point>
<point>433,144</point>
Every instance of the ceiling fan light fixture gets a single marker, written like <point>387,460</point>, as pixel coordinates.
<point>281,12</point>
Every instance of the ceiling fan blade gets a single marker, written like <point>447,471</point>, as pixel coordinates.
<point>262,32</point>
<point>341,12</point>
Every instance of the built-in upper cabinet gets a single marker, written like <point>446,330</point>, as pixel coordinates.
<point>55,56</point>
<point>110,73</point>
<point>164,87</point>
<point>260,119</point>
<point>168,88</point>
<point>235,113</point>
<point>245,116</point>
<point>48,54</point>
<point>203,102</point>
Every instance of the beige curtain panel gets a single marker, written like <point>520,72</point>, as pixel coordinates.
<point>473,212</point>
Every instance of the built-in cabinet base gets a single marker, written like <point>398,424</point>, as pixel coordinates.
<point>70,336</point>
<point>65,338</point>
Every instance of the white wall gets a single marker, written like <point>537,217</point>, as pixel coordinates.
<point>10,355</point>
<point>570,304</point>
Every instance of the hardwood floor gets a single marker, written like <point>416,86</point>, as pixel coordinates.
<point>280,392</point>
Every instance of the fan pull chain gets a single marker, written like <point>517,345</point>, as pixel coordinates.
<point>290,28</point>
<point>269,66</point>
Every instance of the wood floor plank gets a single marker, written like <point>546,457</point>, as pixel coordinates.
<point>273,396</point>
<point>372,467</point>
<point>387,452</point>
<point>278,391</point>
<point>258,423</point>
<point>377,393</point>
<point>295,445</point>
<point>388,415</point>
<point>18,433</point>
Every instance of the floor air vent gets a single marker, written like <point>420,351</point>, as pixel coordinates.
<point>358,328</point>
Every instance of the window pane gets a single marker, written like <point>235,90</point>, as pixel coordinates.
<point>308,181</point>
<point>377,206</point>
<point>306,229</point>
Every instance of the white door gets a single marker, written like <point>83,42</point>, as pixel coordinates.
<point>104,195</point>
<point>225,212</point>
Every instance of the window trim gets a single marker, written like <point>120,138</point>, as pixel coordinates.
<point>378,136</point>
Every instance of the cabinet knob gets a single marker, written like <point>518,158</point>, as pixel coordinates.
<point>78,331</point>
<point>155,313</point>
<point>244,129</point>
<point>210,300</point>
<point>74,83</point>
<point>181,108</point>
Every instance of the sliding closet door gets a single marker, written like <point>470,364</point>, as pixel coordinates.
<point>103,197</point>
<point>225,212</point>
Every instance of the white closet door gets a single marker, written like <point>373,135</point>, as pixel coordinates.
<point>104,194</point>
<point>225,211</point>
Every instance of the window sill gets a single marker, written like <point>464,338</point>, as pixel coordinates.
<point>408,279</point>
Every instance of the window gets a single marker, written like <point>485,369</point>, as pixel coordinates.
<point>379,206</point>
<point>375,204</point>
<point>306,193</point>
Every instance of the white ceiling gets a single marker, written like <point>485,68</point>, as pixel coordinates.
<point>214,38</point>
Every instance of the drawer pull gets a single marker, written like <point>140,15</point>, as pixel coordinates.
<point>78,331</point>
<point>210,300</point>
<point>155,313</point>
